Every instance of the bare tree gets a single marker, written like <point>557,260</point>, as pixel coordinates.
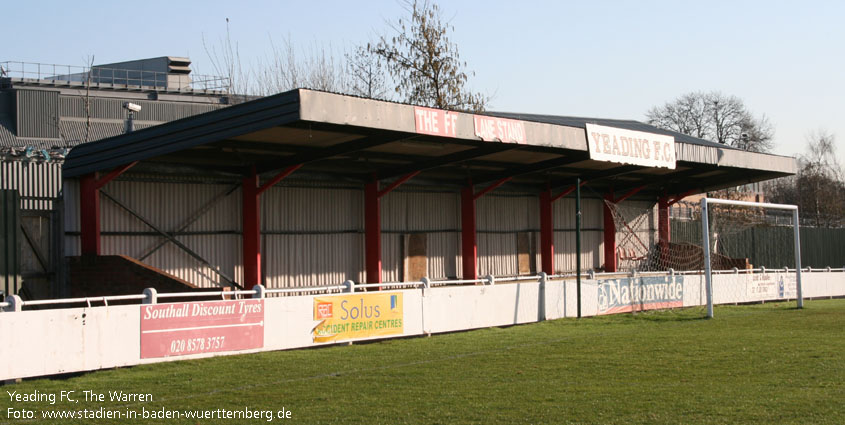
<point>819,186</point>
<point>424,63</point>
<point>225,58</point>
<point>284,69</point>
<point>367,76</point>
<point>717,117</point>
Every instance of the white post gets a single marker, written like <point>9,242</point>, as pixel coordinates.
<point>798,260</point>
<point>705,238</point>
<point>350,286</point>
<point>260,291</point>
<point>152,296</point>
<point>15,303</point>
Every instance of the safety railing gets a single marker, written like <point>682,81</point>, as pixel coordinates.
<point>70,74</point>
<point>151,296</point>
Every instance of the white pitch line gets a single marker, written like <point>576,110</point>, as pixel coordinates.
<point>261,323</point>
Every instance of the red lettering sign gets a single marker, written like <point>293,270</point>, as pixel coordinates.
<point>435,122</point>
<point>180,329</point>
<point>499,129</point>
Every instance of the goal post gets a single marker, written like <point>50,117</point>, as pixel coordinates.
<point>706,242</point>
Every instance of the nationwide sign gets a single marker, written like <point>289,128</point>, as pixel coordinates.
<point>344,317</point>
<point>201,327</point>
<point>638,294</point>
<point>630,147</point>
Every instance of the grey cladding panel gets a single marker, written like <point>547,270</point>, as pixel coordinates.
<point>38,114</point>
<point>105,108</point>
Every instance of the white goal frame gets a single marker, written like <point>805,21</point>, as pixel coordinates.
<point>705,232</point>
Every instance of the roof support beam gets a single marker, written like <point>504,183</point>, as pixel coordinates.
<point>443,160</point>
<point>328,152</point>
<point>469,246</point>
<point>609,234</point>
<point>547,234</point>
<point>628,194</point>
<point>251,215</point>
<point>535,167</point>
<point>89,207</point>
<point>372,224</point>
<point>488,189</point>
<point>598,175</point>
<point>397,183</point>
<point>278,177</point>
<point>567,191</point>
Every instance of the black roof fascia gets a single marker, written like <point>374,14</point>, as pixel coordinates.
<point>183,134</point>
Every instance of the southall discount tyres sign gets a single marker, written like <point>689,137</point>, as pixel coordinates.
<point>345,317</point>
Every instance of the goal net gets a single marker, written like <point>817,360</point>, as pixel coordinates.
<point>761,240</point>
<point>750,248</point>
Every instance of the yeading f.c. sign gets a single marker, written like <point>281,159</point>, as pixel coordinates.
<point>630,147</point>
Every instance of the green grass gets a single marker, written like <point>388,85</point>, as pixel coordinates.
<point>765,363</point>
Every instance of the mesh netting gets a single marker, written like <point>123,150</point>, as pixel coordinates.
<point>740,237</point>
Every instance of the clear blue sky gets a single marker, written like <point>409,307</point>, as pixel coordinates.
<point>610,59</point>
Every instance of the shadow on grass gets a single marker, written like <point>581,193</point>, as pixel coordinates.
<point>680,315</point>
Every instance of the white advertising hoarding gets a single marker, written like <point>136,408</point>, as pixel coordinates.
<point>630,147</point>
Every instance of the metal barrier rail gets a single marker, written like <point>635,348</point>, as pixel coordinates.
<point>87,300</point>
<point>96,75</point>
<point>14,303</point>
<point>205,294</point>
<point>304,289</point>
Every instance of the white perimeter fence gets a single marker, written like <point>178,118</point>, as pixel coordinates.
<point>168,327</point>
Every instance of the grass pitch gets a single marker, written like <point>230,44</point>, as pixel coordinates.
<point>765,363</point>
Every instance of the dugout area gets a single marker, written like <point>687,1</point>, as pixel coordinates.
<point>310,188</point>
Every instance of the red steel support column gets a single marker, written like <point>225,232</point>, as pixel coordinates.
<point>663,221</point>
<point>89,200</point>
<point>251,231</point>
<point>609,236</point>
<point>469,249</point>
<point>547,244</point>
<point>372,232</point>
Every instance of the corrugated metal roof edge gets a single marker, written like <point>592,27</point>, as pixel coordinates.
<point>619,123</point>
<point>80,160</point>
<point>581,122</point>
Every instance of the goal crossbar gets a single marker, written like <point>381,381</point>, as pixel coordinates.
<point>705,232</point>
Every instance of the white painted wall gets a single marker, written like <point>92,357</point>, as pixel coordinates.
<point>46,342</point>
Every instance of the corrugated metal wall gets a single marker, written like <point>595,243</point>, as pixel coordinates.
<point>10,242</point>
<point>435,214</point>
<point>173,207</point>
<point>592,235</point>
<point>312,236</point>
<point>38,114</point>
<point>105,108</point>
<point>70,196</point>
<point>37,182</point>
<point>499,218</point>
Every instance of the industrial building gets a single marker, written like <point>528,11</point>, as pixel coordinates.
<point>46,110</point>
